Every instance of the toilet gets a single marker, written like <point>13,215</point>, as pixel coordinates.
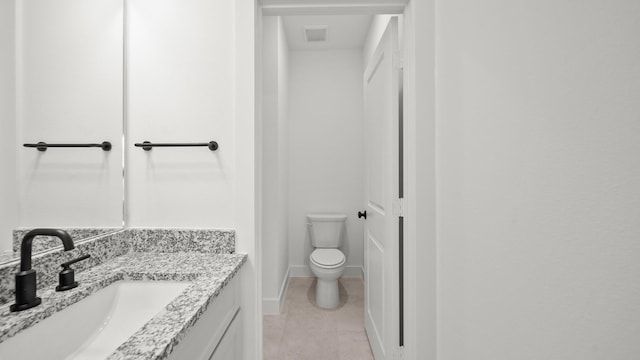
<point>326,261</point>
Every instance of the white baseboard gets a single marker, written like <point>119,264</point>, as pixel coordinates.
<point>305,271</point>
<point>354,272</point>
<point>273,306</point>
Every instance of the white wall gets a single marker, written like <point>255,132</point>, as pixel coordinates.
<point>70,90</point>
<point>180,89</point>
<point>8,179</point>
<point>247,90</point>
<point>193,75</point>
<point>538,176</point>
<point>420,190</point>
<point>326,153</point>
<point>275,182</point>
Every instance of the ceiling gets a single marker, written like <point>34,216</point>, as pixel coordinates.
<point>345,31</point>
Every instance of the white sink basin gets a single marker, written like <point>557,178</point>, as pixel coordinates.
<point>94,327</point>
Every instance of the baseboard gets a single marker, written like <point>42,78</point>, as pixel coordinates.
<point>354,272</point>
<point>283,291</point>
<point>273,306</point>
<point>304,271</point>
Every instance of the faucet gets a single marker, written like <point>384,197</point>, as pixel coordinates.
<point>26,279</point>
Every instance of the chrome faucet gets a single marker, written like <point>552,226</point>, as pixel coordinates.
<point>26,279</point>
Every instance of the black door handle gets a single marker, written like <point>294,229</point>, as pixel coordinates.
<point>362,214</point>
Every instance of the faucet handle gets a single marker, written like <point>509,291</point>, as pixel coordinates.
<point>66,278</point>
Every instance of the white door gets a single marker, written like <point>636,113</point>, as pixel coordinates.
<point>381,87</point>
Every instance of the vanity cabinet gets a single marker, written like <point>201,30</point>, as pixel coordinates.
<point>217,334</point>
<point>230,347</point>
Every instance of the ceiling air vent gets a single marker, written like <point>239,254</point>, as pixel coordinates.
<point>316,33</point>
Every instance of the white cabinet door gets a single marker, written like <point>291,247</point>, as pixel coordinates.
<point>230,347</point>
<point>206,335</point>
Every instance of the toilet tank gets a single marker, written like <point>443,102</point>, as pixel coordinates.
<point>326,230</point>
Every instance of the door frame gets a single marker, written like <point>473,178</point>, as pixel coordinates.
<point>420,250</point>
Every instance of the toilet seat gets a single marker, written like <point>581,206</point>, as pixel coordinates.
<point>327,258</point>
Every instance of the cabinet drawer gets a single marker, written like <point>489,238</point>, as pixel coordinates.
<point>230,347</point>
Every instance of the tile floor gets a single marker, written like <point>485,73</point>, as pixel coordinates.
<point>306,332</point>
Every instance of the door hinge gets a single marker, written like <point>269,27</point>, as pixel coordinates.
<point>399,208</point>
<point>398,60</point>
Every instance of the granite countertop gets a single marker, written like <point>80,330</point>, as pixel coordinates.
<point>209,274</point>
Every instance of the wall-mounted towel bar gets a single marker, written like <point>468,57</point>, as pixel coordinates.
<point>43,146</point>
<point>147,146</point>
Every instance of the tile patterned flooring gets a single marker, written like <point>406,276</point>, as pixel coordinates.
<point>306,332</point>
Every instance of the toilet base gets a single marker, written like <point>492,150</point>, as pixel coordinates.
<point>327,294</point>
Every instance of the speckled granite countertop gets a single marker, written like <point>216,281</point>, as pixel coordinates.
<point>209,273</point>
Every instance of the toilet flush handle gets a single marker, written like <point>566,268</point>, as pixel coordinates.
<point>362,214</point>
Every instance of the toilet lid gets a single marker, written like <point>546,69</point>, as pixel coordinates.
<point>327,257</point>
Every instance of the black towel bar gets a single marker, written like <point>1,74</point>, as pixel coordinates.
<point>147,146</point>
<point>43,146</point>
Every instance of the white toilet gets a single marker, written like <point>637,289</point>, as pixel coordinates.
<point>327,261</point>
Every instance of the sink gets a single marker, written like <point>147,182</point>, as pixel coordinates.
<point>94,327</point>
